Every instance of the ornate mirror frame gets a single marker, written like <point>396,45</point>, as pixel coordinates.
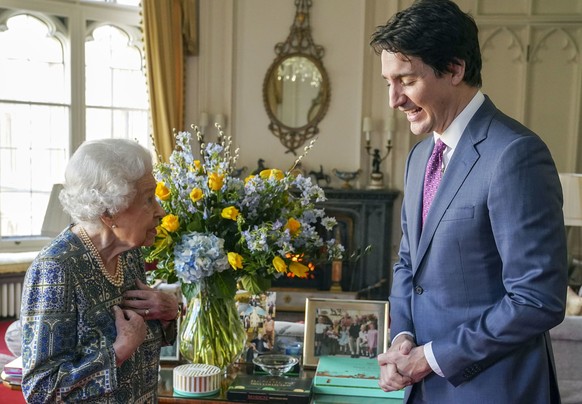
<point>298,47</point>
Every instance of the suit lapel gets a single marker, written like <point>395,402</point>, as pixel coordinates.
<point>461,164</point>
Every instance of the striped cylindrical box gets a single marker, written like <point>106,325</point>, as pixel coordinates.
<point>196,379</point>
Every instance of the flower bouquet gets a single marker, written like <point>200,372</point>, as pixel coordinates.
<point>220,231</point>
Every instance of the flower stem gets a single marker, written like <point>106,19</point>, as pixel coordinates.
<point>212,332</point>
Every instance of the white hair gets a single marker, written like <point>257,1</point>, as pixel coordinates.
<point>100,178</point>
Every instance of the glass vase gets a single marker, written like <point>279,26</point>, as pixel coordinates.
<point>212,332</point>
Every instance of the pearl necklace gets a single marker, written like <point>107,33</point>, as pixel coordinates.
<point>115,280</point>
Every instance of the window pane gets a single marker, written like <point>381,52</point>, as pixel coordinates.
<point>116,95</point>
<point>33,154</point>
<point>114,70</point>
<point>125,124</point>
<point>98,123</point>
<point>34,123</point>
<point>31,62</point>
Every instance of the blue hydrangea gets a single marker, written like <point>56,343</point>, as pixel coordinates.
<point>198,256</point>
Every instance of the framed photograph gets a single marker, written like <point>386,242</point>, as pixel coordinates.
<point>350,328</point>
<point>257,312</point>
<point>171,353</point>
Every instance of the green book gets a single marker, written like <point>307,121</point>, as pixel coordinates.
<point>252,388</point>
<point>350,377</point>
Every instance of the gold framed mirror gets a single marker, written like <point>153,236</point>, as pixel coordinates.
<point>296,90</point>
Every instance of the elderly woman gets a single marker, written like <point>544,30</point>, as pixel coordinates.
<point>92,330</point>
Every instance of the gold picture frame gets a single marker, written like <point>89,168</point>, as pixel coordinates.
<point>320,340</point>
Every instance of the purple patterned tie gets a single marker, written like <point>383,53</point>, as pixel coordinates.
<point>432,177</point>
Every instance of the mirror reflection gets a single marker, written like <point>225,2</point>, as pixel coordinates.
<point>294,91</point>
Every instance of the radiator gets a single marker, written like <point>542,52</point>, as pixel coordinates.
<point>10,295</point>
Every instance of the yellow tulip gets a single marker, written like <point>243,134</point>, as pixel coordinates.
<point>248,178</point>
<point>196,194</point>
<point>162,191</point>
<point>271,173</point>
<point>279,264</point>
<point>230,213</point>
<point>293,226</point>
<point>299,270</point>
<point>215,181</point>
<point>277,174</point>
<point>171,223</point>
<point>197,165</point>
<point>235,260</point>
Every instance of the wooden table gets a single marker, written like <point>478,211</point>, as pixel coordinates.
<point>165,391</point>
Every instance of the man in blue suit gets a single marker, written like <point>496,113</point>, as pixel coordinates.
<point>482,277</point>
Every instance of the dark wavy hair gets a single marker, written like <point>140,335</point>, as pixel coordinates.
<point>438,33</point>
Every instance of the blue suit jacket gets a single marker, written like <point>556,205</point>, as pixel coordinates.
<point>486,277</point>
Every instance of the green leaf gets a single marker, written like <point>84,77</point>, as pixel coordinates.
<point>197,224</point>
<point>189,290</point>
<point>254,284</point>
<point>222,284</point>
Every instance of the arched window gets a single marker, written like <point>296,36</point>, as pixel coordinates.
<point>115,95</point>
<point>69,73</point>
<point>34,122</point>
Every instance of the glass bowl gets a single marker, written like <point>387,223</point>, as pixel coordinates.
<point>275,364</point>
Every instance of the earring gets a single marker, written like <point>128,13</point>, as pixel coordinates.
<point>114,226</point>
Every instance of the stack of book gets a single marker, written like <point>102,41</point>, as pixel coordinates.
<point>345,376</point>
<point>12,373</point>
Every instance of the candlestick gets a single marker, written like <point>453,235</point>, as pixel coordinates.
<point>376,176</point>
<point>203,120</point>
<point>367,124</point>
<point>220,120</point>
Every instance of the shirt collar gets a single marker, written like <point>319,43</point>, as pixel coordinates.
<point>452,134</point>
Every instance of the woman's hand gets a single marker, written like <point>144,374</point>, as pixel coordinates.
<point>131,332</point>
<point>151,304</point>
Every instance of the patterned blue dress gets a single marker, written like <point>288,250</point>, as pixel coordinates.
<point>68,329</point>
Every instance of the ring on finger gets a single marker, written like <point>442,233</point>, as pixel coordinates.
<point>147,312</point>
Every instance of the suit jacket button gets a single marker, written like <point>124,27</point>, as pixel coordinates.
<point>418,290</point>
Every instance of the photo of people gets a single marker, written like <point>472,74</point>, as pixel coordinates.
<point>345,328</point>
<point>257,312</point>
<point>346,332</point>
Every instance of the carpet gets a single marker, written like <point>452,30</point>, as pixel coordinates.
<point>9,396</point>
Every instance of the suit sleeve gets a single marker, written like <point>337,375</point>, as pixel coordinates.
<point>401,290</point>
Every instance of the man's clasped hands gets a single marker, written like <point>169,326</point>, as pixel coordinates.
<point>403,364</point>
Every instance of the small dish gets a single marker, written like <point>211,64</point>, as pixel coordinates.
<point>275,364</point>
<point>346,176</point>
